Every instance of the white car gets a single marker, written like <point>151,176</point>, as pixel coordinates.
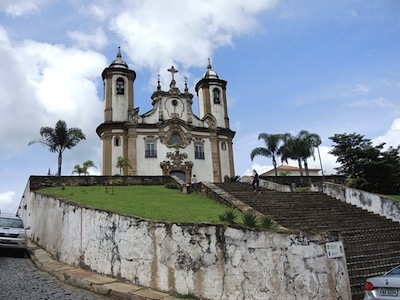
<point>12,233</point>
<point>384,287</point>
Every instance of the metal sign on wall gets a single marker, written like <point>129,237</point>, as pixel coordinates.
<point>335,249</point>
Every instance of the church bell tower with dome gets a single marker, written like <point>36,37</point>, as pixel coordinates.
<point>169,139</point>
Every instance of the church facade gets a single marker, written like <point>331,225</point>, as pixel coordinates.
<point>169,139</point>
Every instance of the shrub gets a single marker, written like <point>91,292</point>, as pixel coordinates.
<point>172,186</point>
<point>249,220</point>
<point>228,216</point>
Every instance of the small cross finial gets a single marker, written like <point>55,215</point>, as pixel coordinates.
<point>119,52</point>
<point>173,71</point>
<point>209,64</point>
<point>186,87</point>
<point>158,82</point>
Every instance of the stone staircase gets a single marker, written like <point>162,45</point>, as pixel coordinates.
<point>371,242</point>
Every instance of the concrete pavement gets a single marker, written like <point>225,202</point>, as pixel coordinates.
<point>101,284</point>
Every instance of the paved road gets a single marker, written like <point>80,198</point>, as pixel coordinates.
<point>21,280</point>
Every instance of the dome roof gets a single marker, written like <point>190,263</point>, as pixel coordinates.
<point>118,62</point>
<point>210,73</point>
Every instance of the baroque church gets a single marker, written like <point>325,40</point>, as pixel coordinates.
<point>169,139</point>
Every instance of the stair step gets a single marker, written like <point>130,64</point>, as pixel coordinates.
<point>371,242</point>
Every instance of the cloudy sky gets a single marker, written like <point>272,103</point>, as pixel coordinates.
<point>328,67</point>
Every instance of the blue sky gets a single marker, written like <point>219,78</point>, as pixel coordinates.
<point>328,67</point>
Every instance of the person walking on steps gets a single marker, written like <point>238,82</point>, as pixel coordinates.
<point>256,182</point>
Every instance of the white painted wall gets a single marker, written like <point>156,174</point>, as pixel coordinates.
<point>211,261</point>
<point>375,203</point>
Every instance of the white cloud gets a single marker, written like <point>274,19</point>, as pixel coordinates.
<point>391,137</point>
<point>184,31</point>
<point>376,102</point>
<point>7,202</point>
<point>360,89</point>
<point>42,83</point>
<point>18,8</point>
<point>97,39</point>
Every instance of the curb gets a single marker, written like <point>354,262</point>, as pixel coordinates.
<point>91,281</point>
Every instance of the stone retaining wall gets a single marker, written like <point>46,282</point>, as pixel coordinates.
<point>211,261</point>
<point>38,182</point>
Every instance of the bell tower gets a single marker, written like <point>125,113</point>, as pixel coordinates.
<point>118,90</point>
<point>211,92</point>
<point>118,105</point>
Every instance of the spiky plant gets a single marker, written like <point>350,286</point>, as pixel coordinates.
<point>267,222</point>
<point>235,178</point>
<point>249,220</point>
<point>228,216</point>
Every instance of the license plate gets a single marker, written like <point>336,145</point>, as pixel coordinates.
<point>388,292</point>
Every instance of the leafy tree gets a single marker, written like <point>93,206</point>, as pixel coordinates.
<point>58,139</point>
<point>271,149</point>
<point>123,162</point>
<point>353,151</point>
<point>366,166</point>
<point>84,168</point>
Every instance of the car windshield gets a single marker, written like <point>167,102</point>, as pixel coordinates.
<point>9,222</point>
<point>395,271</point>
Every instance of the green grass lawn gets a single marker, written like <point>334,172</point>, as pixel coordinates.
<point>149,202</point>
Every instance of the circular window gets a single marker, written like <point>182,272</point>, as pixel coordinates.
<point>174,102</point>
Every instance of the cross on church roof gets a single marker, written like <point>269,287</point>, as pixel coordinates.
<point>173,71</point>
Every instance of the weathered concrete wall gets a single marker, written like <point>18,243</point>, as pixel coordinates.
<point>208,260</point>
<point>377,204</point>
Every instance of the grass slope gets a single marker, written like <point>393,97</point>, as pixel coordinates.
<point>149,202</point>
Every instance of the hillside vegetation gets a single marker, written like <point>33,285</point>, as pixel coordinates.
<point>148,202</point>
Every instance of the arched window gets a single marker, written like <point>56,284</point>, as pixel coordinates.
<point>117,141</point>
<point>216,95</point>
<point>120,86</point>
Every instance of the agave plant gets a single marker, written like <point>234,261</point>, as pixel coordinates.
<point>228,216</point>
<point>267,222</point>
<point>249,220</point>
<point>235,178</point>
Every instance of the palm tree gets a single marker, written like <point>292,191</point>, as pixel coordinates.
<point>310,141</point>
<point>292,148</point>
<point>123,162</point>
<point>84,169</point>
<point>59,138</point>
<point>272,148</point>
<point>316,140</point>
<point>79,170</point>
<point>300,148</point>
